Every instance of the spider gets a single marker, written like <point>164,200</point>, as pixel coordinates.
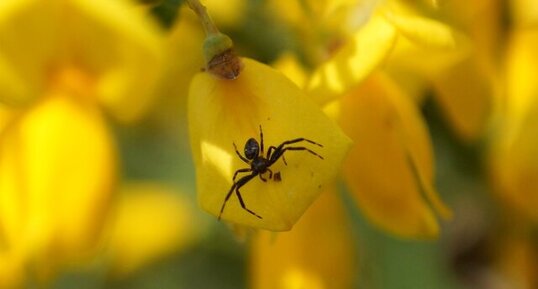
<point>259,164</point>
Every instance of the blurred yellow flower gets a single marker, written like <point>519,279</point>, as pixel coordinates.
<point>59,62</point>
<point>385,127</point>
<point>223,112</point>
<point>513,155</point>
<point>318,253</point>
<point>110,44</point>
<point>390,168</point>
<point>57,173</point>
<point>462,74</point>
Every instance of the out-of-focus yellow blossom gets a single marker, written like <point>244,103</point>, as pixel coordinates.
<point>223,112</point>
<point>291,68</point>
<point>464,77</point>
<point>60,61</point>
<point>318,253</point>
<point>371,31</point>
<point>227,13</point>
<point>514,148</point>
<point>387,128</point>
<point>116,50</point>
<point>151,221</point>
<point>57,170</point>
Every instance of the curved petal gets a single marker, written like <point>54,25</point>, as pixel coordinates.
<point>390,169</point>
<point>223,112</point>
<point>423,31</point>
<point>354,62</point>
<point>513,154</point>
<point>466,96</point>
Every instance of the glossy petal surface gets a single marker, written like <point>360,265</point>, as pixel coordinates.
<point>225,112</point>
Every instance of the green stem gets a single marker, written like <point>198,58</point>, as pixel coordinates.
<point>201,12</point>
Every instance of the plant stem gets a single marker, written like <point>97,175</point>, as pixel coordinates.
<point>201,12</point>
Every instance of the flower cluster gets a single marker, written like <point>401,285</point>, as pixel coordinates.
<point>290,120</point>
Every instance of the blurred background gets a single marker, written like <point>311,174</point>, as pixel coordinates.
<point>476,100</point>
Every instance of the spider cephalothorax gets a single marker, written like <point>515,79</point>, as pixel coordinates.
<point>259,164</point>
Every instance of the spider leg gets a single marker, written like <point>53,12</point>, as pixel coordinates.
<point>299,140</point>
<point>226,200</point>
<point>270,173</point>
<point>280,149</point>
<point>262,178</point>
<point>270,151</point>
<point>280,153</point>
<point>273,149</point>
<point>239,154</point>
<point>241,183</point>
<point>241,171</point>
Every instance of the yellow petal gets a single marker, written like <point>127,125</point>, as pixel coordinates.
<point>426,45</point>
<point>11,270</point>
<point>513,155</point>
<point>514,165</point>
<point>57,171</point>
<point>521,73</point>
<point>151,222</point>
<point>119,47</point>
<point>25,25</point>
<point>318,253</point>
<point>126,51</point>
<point>390,168</point>
<point>227,13</point>
<point>290,66</point>
<point>524,13</point>
<point>466,98</point>
<point>423,31</point>
<point>223,112</point>
<point>354,62</point>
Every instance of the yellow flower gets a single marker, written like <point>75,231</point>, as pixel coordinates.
<point>60,61</point>
<point>113,47</point>
<point>463,73</point>
<point>386,128</point>
<point>513,153</point>
<point>223,112</point>
<point>318,253</point>
<point>390,169</point>
<point>57,170</point>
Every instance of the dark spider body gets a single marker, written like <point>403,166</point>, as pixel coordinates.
<point>259,164</point>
